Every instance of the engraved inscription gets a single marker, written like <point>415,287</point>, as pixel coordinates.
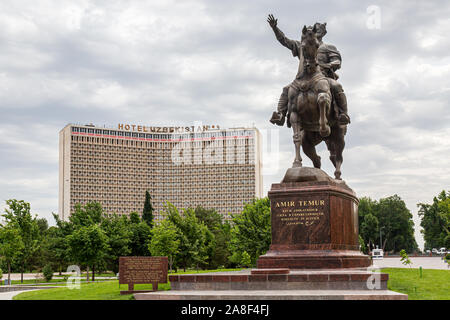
<point>300,212</point>
<point>300,219</point>
<point>142,270</point>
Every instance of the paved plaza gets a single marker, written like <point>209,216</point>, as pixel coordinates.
<point>10,294</point>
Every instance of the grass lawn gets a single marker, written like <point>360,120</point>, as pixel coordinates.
<point>53,282</point>
<point>434,284</point>
<point>107,290</point>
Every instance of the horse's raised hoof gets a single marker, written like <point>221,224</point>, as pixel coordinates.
<point>325,132</point>
<point>296,164</point>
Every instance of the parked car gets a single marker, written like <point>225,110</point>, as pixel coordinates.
<point>434,250</point>
<point>442,251</point>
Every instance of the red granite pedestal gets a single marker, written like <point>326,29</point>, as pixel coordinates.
<point>314,226</point>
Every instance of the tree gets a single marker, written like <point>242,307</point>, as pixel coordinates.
<point>38,259</point>
<point>209,217</point>
<point>18,214</point>
<point>147,213</point>
<point>398,226</point>
<point>81,221</point>
<point>88,245</point>
<point>11,245</point>
<point>366,206</point>
<point>251,231</point>
<point>56,250</point>
<point>89,214</point>
<point>195,238</point>
<point>165,241</point>
<point>221,231</point>
<point>436,221</point>
<point>119,237</point>
<point>134,217</point>
<point>369,229</point>
<point>389,218</point>
<point>140,236</point>
<point>368,221</point>
<point>42,225</point>
<point>222,251</point>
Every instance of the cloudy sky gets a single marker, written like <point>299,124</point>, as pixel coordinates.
<point>218,62</point>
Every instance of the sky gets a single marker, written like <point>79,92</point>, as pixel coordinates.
<point>218,62</point>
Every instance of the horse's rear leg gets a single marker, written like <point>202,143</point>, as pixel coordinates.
<point>332,150</point>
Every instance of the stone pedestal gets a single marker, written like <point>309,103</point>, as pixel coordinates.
<point>314,226</point>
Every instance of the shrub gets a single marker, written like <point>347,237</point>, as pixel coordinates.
<point>447,257</point>
<point>47,272</point>
<point>404,258</point>
<point>1,273</point>
<point>246,260</point>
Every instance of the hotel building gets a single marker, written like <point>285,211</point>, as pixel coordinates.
<point>186,166</point>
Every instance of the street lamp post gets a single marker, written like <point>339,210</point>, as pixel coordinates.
<point>381,242</point>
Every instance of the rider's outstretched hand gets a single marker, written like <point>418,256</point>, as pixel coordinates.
<point>272,21</point>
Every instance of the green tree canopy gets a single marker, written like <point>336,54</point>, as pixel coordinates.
<point>221,231</point>
<point>88,245</point>
<point>435,221</point>
<point>11,245</point>
<point>369,229</point>
<point>140,236</point>
<point>18,214</point>
<point>390,217</point>
<point>165,241</point>
<point>251,231</point>
<point>118,236</point>
<point>196,241</point>
<point>89,214</point>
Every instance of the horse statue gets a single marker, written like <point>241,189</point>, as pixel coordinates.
<point>311,110</point>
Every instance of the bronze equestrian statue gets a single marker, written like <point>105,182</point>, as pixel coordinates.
<point>314,103</point>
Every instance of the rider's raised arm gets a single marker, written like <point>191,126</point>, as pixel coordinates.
<point>285,41</point>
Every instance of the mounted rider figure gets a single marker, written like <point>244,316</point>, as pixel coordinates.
<point>329,60</point>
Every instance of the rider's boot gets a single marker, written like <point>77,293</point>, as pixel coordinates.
<point>341,100</point>
<point>283,103</point>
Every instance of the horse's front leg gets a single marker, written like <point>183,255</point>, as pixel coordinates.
<point>297,137</point>
<point>324,101</point>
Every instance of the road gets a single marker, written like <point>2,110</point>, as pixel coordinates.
<point>424,262</point>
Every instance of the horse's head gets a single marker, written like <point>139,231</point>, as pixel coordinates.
<point>310,45</point>
<point>321,30</point>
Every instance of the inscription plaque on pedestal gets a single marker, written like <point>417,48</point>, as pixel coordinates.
<point>142,270</point>
<point>300,219</point>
